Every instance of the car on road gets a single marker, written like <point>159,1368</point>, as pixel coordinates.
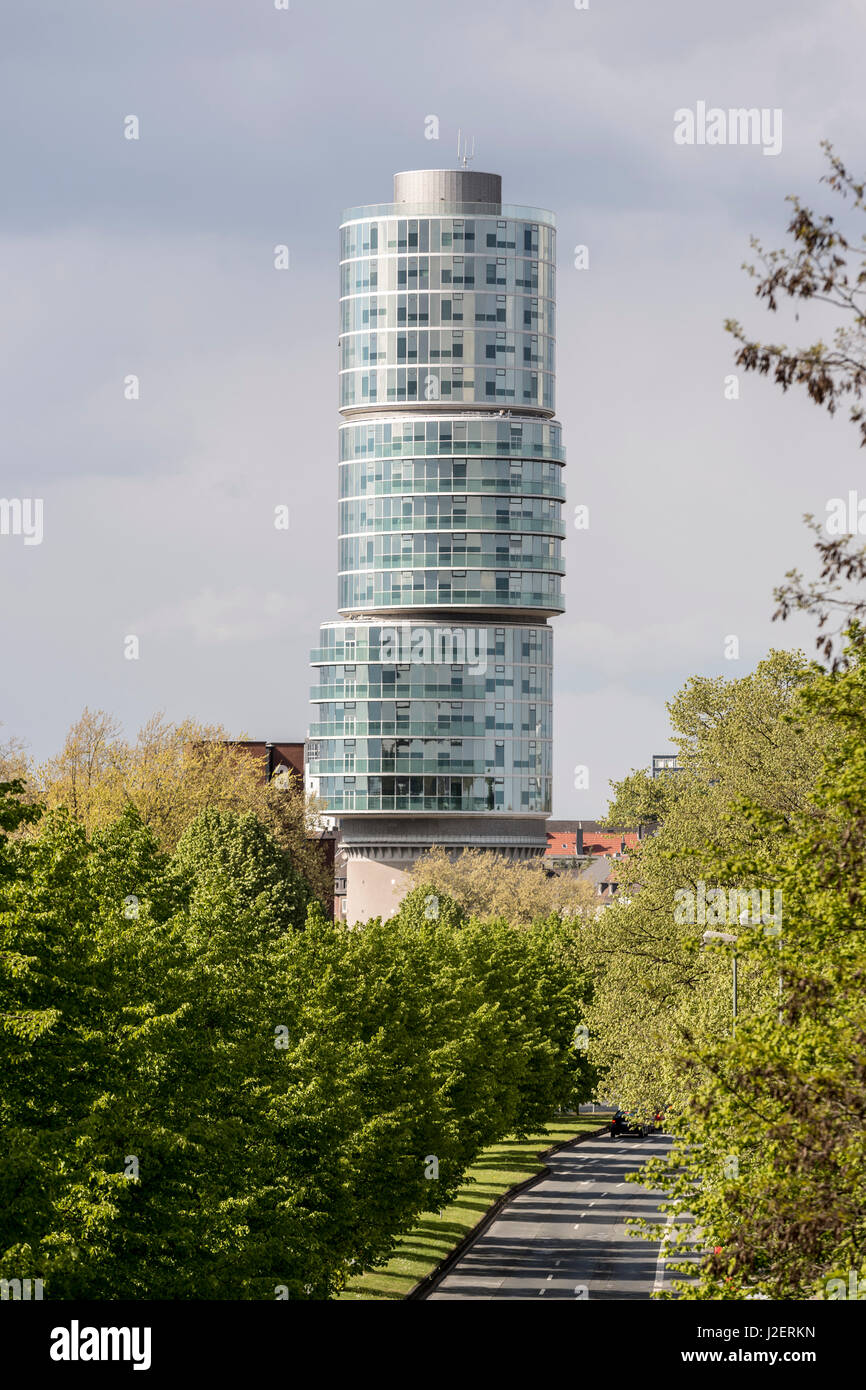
<point>628,1122</point>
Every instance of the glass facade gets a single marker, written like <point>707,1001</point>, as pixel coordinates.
<point>415,716</point>
<point>451,511</point>
<point>433,694</point>
<point>447,308</point>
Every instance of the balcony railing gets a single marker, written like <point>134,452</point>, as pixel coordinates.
<point>491,525</point>
<point>367,802</point>
<point>503,212</point>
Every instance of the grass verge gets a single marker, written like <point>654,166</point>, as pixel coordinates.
<point>435,1236</point>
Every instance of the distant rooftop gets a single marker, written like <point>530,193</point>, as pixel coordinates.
<point>448,193</point>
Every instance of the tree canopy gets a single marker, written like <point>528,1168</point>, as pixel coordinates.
<point>170,774</point>
<point>207,1093</point>
<point>491,885</point>
<point>769,1162</point>
<point>742,743</point>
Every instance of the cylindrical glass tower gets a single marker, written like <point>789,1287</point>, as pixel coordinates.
<point>432,719</point>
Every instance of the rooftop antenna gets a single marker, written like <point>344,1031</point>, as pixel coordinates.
<point>467,154</point>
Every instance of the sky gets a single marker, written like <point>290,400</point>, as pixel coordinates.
<point>155,258</point>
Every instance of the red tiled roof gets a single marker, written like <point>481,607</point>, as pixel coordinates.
<point>600,842</point>
<point>562,842</point>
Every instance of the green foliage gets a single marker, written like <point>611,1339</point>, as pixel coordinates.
<point>13,811</point>
<point>54,1050</point>
<point>222,850</point>
<point>200,1100</point>
<point>640,798</point>
<point>752,741</point>
<point>770,1158</point>
<point>427,904</point>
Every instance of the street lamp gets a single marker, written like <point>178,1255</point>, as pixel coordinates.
<point>731,939</point>
<point>771,928</point>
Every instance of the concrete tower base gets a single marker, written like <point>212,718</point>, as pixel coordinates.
<point>381,850</point>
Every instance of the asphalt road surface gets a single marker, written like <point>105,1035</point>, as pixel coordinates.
<point>566,1236</point>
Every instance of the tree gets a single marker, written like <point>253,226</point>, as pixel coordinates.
<point>769,1161</point>
<point>826,266</point>
<point>640,799</point>
<point>55,1202</point>
<point>13,760</point>
<point>242,854</point>
<point>201,1101</point>
<point>491,885</point>
<point>170,775</point>
<point>535,976</point>
<point>749,740</point>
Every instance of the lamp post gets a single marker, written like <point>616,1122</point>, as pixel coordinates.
<point>731,939</point>
<point>774,930</point>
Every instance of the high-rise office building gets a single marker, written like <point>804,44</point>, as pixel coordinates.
<point>433,709</point>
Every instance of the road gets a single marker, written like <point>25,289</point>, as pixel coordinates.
<point>566,1236</point>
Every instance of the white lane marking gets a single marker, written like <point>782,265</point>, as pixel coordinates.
<point>660,1262</point>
